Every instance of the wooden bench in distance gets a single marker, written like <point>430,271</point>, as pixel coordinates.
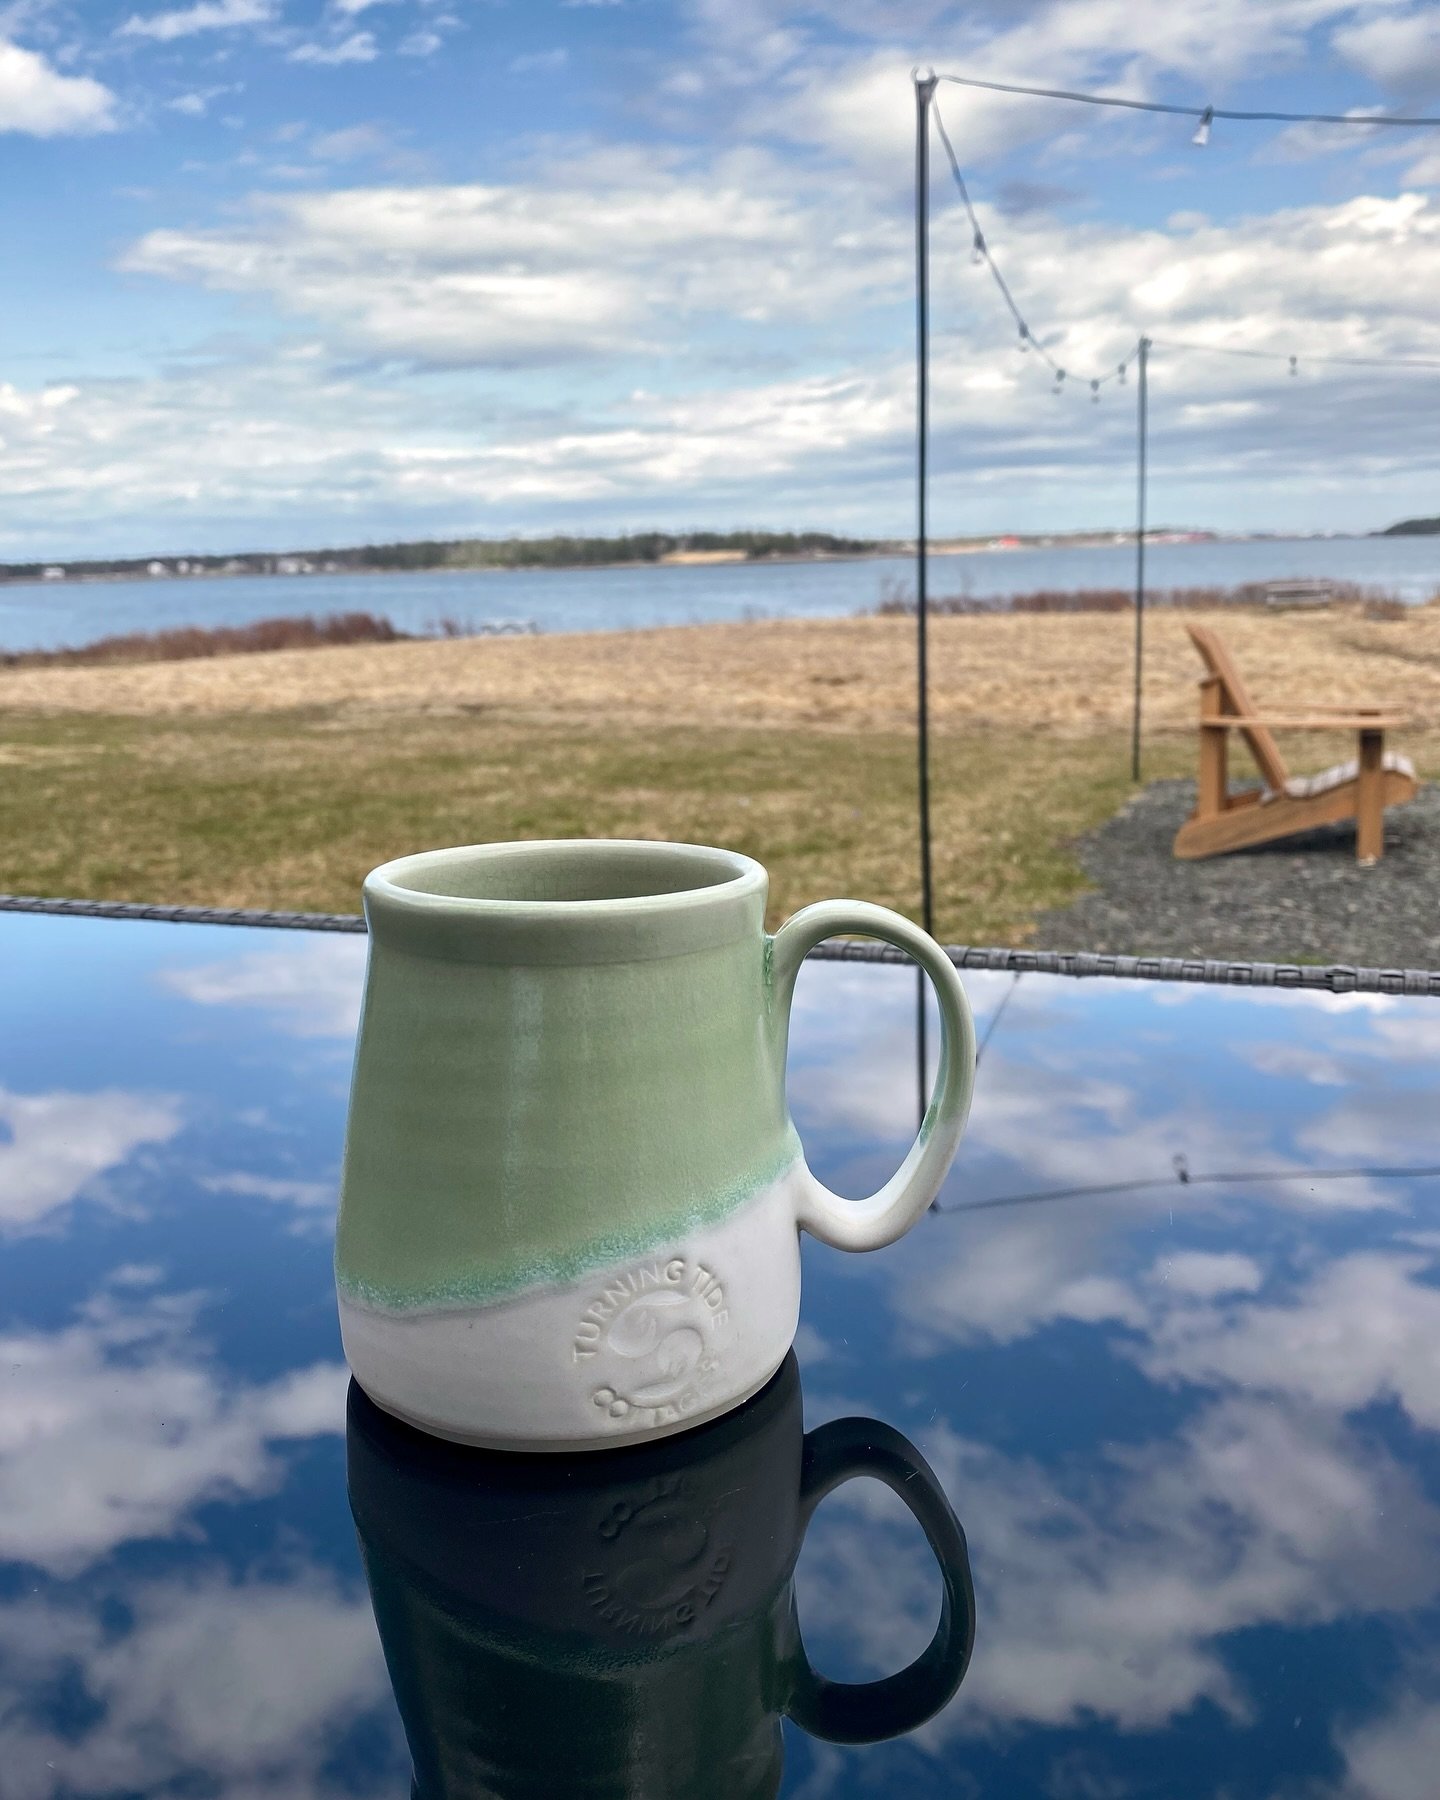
<point>1283,596</point>
<point>1360,789</point>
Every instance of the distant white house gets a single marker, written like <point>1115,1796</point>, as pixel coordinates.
<point>156,568</point>
<point>53,573</point>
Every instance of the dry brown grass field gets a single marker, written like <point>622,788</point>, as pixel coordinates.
<point>277,779</point>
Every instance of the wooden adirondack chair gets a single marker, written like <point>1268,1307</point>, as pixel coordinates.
<point>1360,789</point>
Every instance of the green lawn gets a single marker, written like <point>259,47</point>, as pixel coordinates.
<point>289,810</point>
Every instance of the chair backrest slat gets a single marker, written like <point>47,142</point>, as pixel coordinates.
<point>1258,740</point>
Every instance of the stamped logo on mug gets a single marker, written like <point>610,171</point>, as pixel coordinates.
<point>664,1561</point>
<point>652,1332</point>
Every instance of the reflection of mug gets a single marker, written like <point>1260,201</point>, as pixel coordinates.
<point>625,1624</point>
<point>572,1184</point>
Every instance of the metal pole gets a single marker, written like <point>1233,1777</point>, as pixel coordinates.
<point>924,91</point>
<point>1142,401</point>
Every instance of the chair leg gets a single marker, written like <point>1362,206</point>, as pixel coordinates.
<point>1214,783</point>
<point>1370,800</point>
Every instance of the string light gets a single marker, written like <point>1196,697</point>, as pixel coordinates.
<point>1203,115</point>
<point>1292,362</point>
<point>980,253</point>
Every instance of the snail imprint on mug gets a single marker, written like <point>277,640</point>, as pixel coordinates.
<point>650,1332</point>
<point>662,1565</point>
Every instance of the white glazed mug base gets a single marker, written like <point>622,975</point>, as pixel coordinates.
<point>644,1349</point>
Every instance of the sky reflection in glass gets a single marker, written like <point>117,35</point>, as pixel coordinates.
<point>1186,1415</point>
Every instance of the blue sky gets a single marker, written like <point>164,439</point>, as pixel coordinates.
<point>285,275</point>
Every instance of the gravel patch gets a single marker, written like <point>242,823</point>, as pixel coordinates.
<point>1303,900</point>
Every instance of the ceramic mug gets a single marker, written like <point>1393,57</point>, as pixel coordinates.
<point>572,1186</point>
<point>626,1624</point>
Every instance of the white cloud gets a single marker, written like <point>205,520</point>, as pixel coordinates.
<point>1007,1277</point>
<point>349,143</point>
<point>1207,1274</point>
<point>1394,1757</point>
<point>54,1145</point>
<point>351,8</point>
<point>359,47</point>
<point>1424,172</point>
<point>311,1204</point>
<point>1405,1036</point>
<point>540,62</point>
<point>1321,1068</point>
<point>421,43</point>
<point>290,439</point>
<point>858,105</point>
<point>307,1195</point>
<point>196,104</point>
<point>38,100</point>
<point>312,991</point>
<point>90,1460</point>
<point>194,1689</point>
<point>1374,1122</point>
<point>1363,1330</point>
<point>205,15</point>
<point>519,275</point>
<point>1400,51</point>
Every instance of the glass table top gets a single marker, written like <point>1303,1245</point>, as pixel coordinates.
<point>1169,1344</point>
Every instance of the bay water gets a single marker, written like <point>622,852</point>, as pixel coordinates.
<point>46,615</point>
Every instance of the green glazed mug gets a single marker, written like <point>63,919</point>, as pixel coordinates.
<point>626,1624</point>
<point>572,1188</point>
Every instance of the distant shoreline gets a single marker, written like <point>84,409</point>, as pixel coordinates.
<point>883,552</point>
<point>576,568</point>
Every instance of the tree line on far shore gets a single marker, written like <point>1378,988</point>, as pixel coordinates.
<point>559,552</point>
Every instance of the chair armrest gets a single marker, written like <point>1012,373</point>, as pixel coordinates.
<point>1355,721</point>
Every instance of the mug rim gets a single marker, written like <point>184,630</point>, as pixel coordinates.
<point>744,873</point>
<point>485,928</point>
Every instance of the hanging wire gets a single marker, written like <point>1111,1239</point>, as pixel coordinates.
<point>1183,1178</point>
<point>980,252</point>
<point>1201,114</point>
<point>1204,116</point>
<point>1352,362</point>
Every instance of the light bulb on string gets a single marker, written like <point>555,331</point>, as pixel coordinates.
<point>1094,393</point>
<point>1294,370</point>
<point>1024,336</point>
<point>1121,373</point>
<point>1202,130</point>
<point>1059,386</point>
<point>977,252</point>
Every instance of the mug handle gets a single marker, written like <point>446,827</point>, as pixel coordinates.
<point>889,1213</point>
<point>865,1712</point>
